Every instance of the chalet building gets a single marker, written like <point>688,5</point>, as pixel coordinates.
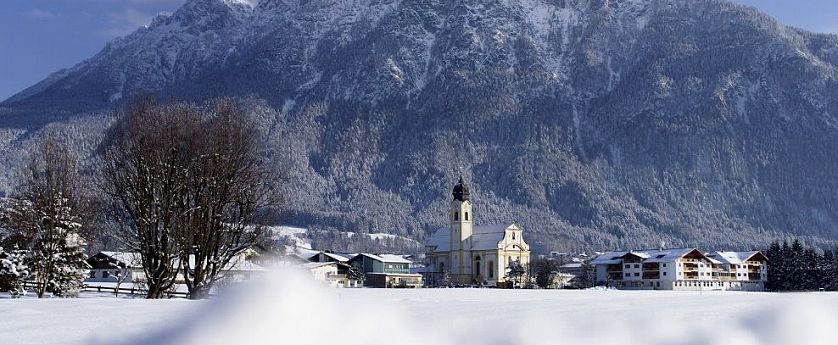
<point>115,267</point>
<point>741,270</point>
<point>333,273</point>
<point>682,269</point>
<point>469,254</point>
<point>386,270</point>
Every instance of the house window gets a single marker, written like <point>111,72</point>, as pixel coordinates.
<point>664,265</point>
<point>628,266</point>
<point>636,265</point>
<point>664,273</point>
<point>105,274</point>
<point>92,274</point>
<point>636,274</point>
<point>466,218</point>
<point>628,275</point>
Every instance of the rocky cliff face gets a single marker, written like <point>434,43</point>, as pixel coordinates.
<point>592,123</point>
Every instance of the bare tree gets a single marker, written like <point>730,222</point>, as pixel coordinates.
<point>188,186</point>
<point>226,190</point>
<point>145,176</point>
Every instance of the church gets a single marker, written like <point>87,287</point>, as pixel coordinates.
<point>474,254</point>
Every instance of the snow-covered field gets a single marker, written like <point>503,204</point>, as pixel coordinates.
<point>290,309</point>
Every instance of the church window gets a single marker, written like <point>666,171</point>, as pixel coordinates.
<point>466,216</point>
<point>513,235</point>
<point>456,216</point>
<point>491,269</point>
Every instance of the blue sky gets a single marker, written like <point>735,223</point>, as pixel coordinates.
<point>38,37</point>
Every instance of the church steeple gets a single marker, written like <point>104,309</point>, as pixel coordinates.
<point>461,192</point>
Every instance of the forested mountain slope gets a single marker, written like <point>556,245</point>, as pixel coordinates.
<point>594,124</point>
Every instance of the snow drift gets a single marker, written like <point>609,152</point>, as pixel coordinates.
<point>290,308</point>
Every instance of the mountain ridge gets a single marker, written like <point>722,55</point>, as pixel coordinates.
<point>595,124</point>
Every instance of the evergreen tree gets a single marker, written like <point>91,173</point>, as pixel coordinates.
<point>58,253</point>
<point>13,272</point>
<point>587,278</point>
<point>784,267</point>
<point>775,272</point>
<point>811,276</point>
<point>830,271</point>
<point>516,271</point>
<point>356,272</point>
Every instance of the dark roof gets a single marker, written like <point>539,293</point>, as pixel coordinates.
<point>461,192</point>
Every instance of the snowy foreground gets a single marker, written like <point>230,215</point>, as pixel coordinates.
<point>290,309</point>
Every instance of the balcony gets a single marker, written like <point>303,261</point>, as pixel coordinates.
<point>651,267</point>
<point>651,275</point>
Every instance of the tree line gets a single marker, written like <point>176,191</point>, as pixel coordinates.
<point>183,185</point>
<point>795,267</point>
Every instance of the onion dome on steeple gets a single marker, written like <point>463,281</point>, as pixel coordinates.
<point>461,192</point>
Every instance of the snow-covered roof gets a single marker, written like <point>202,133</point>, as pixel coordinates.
<point>667,255</point>
<point>440,240</point>
<point>130,259</point>
<point>487,237</point>
<point>608,258</point>
<point>732,257</point>
<point>312,265</point>
<point>339,256</point>
<point>483,237</point>
<point>388,258</point>
<point>238,263</point>
<point>656,255</point>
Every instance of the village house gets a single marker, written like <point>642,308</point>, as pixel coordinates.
<point>333,273</point>
<point>466,254</point>
<point>122,267</point>
<point>681,269</point>
<point>386,270</point>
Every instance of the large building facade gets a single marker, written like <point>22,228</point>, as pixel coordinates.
<point>682,269</point>
<point>469,254</point>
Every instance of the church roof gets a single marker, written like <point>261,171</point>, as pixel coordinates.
<point>487,236</point>
<point>484,237</point>
<point>440,239</point>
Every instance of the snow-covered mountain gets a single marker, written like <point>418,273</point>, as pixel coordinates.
<point>593,123</point>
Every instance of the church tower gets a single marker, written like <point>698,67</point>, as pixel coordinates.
<point>461,229</point>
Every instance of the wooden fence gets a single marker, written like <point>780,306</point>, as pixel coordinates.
<point>30,285</point>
